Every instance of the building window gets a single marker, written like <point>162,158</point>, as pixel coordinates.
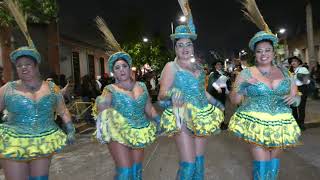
<point>91,65</point>
<point>76,67</point>
<point>102,69</point>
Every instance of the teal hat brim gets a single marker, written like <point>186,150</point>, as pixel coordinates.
<point>183,36</point>
<point>119,55</point>
<point>262,35</point>
<point>25,51</point>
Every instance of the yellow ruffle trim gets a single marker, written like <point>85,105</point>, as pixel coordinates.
<point>115,127</point>
<point>267,130</point>
<point>22,147</point>
<point>201,122</point>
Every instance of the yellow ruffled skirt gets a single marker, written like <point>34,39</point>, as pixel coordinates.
<point>263,129</point>
<point>201,122</point>
<point>25,147</point>
<point>112,126</point>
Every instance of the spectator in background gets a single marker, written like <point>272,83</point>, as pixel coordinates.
<point>302,79</point>
<point>218,85</point>
<point>89,91</point>
<point>315,76</point>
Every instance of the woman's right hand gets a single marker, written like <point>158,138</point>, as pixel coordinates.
<point>177,98</point>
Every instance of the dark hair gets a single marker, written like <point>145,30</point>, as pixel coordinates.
<point>263,40</point>
<point>119,60</point>
<point>29,57</point>
<point>216,62</point>
<point>294,57</point>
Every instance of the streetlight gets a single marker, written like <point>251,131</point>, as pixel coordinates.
<point>145,39</point>
<point>282,30</point>
<point>183,19</point>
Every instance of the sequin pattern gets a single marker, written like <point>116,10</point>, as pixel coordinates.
<point>261,98</point>
<point>27,116</point>
<point>192,88</point>
<point>130,108</point>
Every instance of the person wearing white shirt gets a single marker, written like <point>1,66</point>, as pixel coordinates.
<point>218,85</point>
<point>302,79</point>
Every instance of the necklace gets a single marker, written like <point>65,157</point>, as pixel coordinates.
<point>33,88</point>
<point>266,74</point>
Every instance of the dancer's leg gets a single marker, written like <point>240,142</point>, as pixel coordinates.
<point>122,158</point>
<point>186,147</point>
<point>14,170</point>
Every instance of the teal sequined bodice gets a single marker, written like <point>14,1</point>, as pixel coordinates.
<point>132,109</point>
<point>193,88</point>
<point>27,116</point>
<point>261,98</point>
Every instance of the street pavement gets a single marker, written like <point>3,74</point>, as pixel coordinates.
<point>227,158</point>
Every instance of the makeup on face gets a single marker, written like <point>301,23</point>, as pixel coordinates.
<point>184,45</point>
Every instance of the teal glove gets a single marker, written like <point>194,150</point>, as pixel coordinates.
<point>157,119</point>
<point>71,132</point>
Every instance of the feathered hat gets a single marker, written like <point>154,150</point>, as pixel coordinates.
<point>251,11</point>
<point>30,50</point>
<point>113,47</point>
<point>185,31</point>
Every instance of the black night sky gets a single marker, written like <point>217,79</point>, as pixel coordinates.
<point>220,24</point>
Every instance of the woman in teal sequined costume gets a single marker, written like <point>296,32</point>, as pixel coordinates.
<point>264,118</point>
<point>122,120</point>
<point>30,136</point>
<point>192,114</point>
<point>123,113</point>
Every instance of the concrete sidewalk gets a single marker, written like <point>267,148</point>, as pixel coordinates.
<point>312,112</point>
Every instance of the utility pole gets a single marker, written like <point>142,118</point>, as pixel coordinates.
<point>310,35</point>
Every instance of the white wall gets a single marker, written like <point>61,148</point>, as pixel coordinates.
<point>84,70</point>
<point>66,61</point>
<point>97,66</point>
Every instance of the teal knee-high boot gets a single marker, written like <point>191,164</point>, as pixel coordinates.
<point>260,170</point>
<point>123,173</point>
<point>137,171</point>
<point>199,171</point>
<point>186,171</point>
<point>274,168</point>
<point>38,177</point>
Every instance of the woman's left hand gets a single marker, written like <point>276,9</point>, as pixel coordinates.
<point>288,99</point>
<point>71,132</point>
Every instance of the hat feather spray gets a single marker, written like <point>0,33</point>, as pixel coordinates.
<point>186,10</point>
<point>21,19</point>
<point>111,43</point>
<point>252,12</point>
<point>114,49</point>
